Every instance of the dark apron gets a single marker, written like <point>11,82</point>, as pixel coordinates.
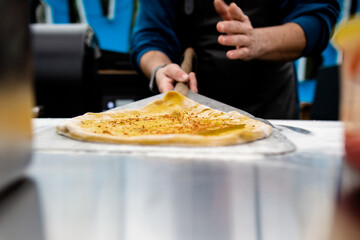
<point>263,88</point>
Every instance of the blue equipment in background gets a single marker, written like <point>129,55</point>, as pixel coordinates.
<point>113,31</point>
<point>60,11</point>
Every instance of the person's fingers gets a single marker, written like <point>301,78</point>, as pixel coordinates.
<point>222,9</point>
<point>239,53</point>
<point>165,84</point>
<point>175,72</point>
<point>233,27</point>
<point>234,40</point>
<point>193,82</point>
<point>237,14</point>
<point>167,77</point>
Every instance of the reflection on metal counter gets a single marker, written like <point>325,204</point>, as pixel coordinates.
<point>346,224</point>
<point>20,213</point>
<point>15,90</point>
<point>347,217</point>
<point>111,196</point>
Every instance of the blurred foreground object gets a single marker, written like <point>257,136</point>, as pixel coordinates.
<point>15,90</point>
<point>348,38</point>
<point>20,212</point>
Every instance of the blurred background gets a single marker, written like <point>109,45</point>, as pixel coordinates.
<point>81,50</point>
<point>81,53</point>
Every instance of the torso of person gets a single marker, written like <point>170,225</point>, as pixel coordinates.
<point>265,89</point>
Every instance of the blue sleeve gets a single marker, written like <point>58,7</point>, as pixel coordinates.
<point>154,30</point>
<point>316,17</point>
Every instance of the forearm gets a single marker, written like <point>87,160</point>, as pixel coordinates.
<point>317,18</point>
<point>284,42</point>
<point>152,59</point>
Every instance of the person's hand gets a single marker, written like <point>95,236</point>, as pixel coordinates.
<point>168,76</point>
<point>238,32</point>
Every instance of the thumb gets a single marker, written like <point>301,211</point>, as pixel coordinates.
<point>175,72</point>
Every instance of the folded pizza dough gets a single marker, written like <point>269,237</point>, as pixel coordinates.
<point>173,120</point>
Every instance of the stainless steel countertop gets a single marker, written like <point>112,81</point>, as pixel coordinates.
<point>325,138</point>
<point>109,195</point>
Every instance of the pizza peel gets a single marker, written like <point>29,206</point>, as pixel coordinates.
<point>186,66</point>
<point>183,88</point>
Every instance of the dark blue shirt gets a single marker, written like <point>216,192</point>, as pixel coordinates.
<point>154,28</point>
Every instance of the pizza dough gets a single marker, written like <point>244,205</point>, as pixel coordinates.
<point>173,120</point>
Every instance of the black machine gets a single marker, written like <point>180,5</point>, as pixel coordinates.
<point>73,75</point>
<point>64,69</point>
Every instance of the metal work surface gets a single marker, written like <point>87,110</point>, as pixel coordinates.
<point>107,195</point>
<point>128,192</point>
